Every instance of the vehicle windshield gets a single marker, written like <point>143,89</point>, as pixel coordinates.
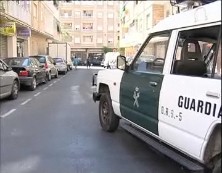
<point>17,62</point>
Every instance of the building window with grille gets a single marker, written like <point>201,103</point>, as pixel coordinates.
<point>87,13</point>
<point>77,14</point>
<point>77,27</point>
<point>77,40</point>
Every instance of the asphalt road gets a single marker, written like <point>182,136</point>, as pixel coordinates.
<point>55,129</point>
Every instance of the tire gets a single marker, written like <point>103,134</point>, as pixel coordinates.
<point>34,84</point>
<point>108,120</point>
<point>57,74</point>
<point>49,76</point>
<point>15,89</point>
<point>45,80</point>
<point>217,167</point>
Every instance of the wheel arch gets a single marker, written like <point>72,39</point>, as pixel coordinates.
<point>213,147</point>
<point>103,88</point>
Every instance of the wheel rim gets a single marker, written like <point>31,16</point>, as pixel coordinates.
<point>49,76</point>
<point>105,113</point>
<point>15,89</point>
<point>34,83</point>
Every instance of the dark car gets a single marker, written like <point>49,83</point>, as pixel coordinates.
<point>30,71</point>
<point>49,65</point>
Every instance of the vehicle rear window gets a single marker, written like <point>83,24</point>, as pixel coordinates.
<point>41,59</point>
<point>58,59</point>
<point>17,62</point>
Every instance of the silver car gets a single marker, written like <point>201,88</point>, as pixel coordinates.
<point>61,65</point>
<point>9,82</point>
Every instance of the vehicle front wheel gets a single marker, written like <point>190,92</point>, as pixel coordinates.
<point>34,84</point>
<point>57,74</point>
<point>108,120</point>
<point>49,76</point>
<point>15,89</point>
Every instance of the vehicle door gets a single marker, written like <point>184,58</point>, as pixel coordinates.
<point>5,79</point>
<point>140,85</point>
<point>190,99</point>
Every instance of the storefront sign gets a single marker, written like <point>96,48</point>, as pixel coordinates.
<point>7,28</point>
<point>24,32</point>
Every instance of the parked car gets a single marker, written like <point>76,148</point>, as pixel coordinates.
<point>30,71</point>
<point>61,65</point>
<point>9,82</point>
<point>49,65</point>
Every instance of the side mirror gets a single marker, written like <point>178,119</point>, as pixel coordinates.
<point>54,63</point>
<point>121,63</point>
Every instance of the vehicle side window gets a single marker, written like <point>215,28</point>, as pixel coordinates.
<point>195,52</point>
<point>218,64</point>
<point>32,63</point>
<point>51,60</point>
<point>152,57</point>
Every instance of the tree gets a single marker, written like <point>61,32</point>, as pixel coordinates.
<point>106,49</point>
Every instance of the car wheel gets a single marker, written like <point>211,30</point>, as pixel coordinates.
<point>108,120</point>
<point>57,74</point>
<point>49,76</point>
<point>15,89</point>
<point>217,167</point>
<point>45,79</point>
<point>34,84</point>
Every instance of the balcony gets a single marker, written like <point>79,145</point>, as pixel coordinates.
<point>19,10</point>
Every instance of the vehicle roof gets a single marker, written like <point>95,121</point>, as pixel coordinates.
<point>208,13</point>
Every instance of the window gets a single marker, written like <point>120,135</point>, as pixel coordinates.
<point>99,40</point>
<point>88,39</point>
<point>77,27</point>
<point>218,64</point>
<point>99,2</point>
<point>87,13</point>
<point>110,15</point>
<point>148,21</point>
<point>77,40</point>
<point>35,11</point>
<point>67,25</point>
<point>77,14</point>
<point>110,40</point>
<point>196,53</point>
<point>152,56</point>
<point>99,28</point>
<point>110,28</point>
<point>87,26</point>
<point>100,15</point>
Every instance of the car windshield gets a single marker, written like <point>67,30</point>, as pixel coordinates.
<point>17,61</point>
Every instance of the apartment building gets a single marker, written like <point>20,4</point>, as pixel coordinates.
<point>137,18</point>
<point>26,27</point>
<point>88,26</point>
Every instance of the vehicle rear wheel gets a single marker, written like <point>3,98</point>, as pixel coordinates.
<point>15,89</point>
<point>108,120</point>
<point>34,84</point>
<point>49,76</point>
<point>57,74</point>
<point>45,79</point>
<point>217,167</point>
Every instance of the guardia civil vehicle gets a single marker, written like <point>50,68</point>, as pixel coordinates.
<point>170,95</point>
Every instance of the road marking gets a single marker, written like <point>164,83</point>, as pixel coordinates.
<point>45,88</point>
<point>8,113</point>
<point>54,81</point>
<point>50,84</point>
<point>37,94</point>
<point>26,101</point>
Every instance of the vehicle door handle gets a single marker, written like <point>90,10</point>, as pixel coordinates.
<point>212,94</point>
<point>153,83</point>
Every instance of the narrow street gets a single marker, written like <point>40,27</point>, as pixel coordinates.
<point>55,129</point>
